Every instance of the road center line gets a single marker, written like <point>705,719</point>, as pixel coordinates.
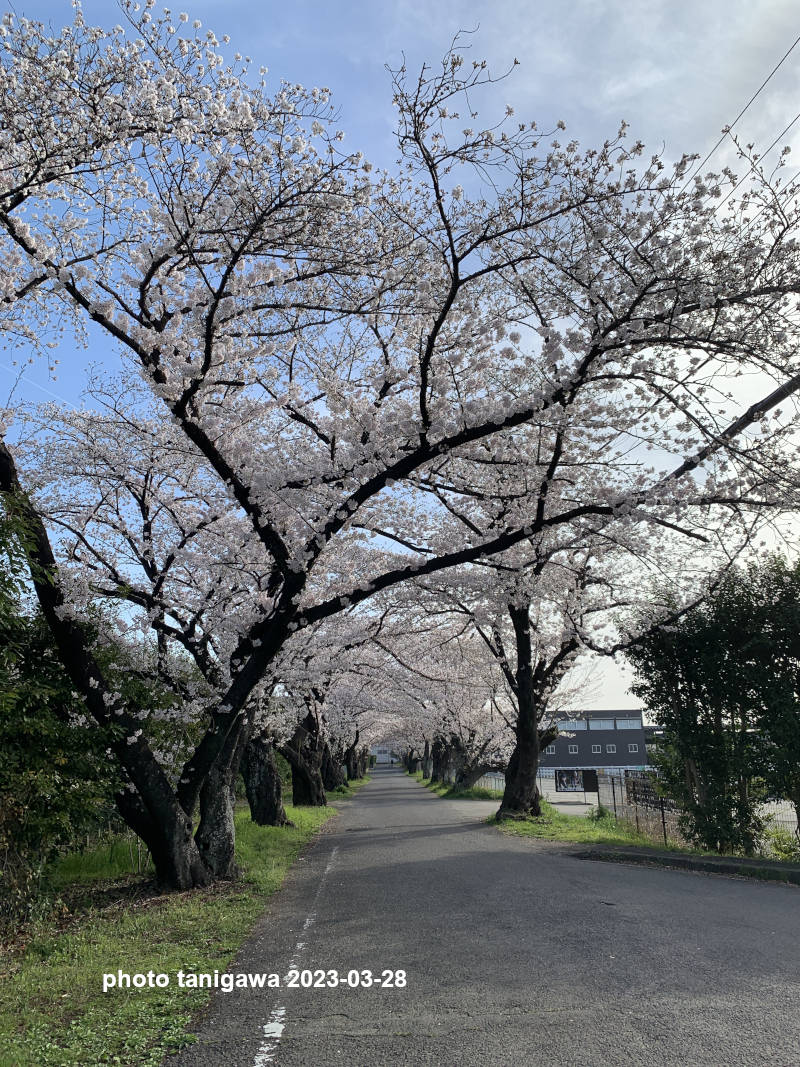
<point>274,1027</point>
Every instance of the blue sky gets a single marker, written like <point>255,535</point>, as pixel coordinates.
<point>676,70</point>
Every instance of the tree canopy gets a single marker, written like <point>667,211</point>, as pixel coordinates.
<point>354,378</point>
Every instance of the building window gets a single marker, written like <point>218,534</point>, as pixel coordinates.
<point>601,724</point>
<point>633,748</point>
<point>629,724</point>
<point>596,749</point>
<point>551,750</point>
<point>572,724</point>
<point>573,750</point>
<point>611,748</point>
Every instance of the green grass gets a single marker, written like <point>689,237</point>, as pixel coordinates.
<point>349,789</point>
<point>596,828</point>
<point>442,789</point>
<point>477,792</point>
<point>553,826</point>
<point>53,1012</point>
<point>121,856</point>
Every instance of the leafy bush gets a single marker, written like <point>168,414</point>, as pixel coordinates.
<point>782,844</point>
<point>599,814</point>
<point>56,783</point>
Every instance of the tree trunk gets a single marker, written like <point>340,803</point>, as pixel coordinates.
<point>438,760</point>
<point>351,758</point>
<point>304,753</point>
<point>447,764</point>
<point>427,762</point>
<point>332,774</point>
<point>363,763</point>
<point>307,786</point>
<point>263,783</point>
<point>176,858</point>
<point>467,775</point>
<point>216,834</point>
<point>521,795</point>
<point>795,798</point>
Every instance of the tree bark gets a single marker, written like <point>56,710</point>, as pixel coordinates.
<point>216,833</point>
<point>467,776</point>
<point>362,762</point>
<point>304,753</point>
<point>307,786</point>
<point>521,795</point>
<point>795,799</point>
<point>427,762</point>
<point>332,774</point>
<point>437,760</point>
<point>263,783</point>
<point>351,758</point>
<point>176,857</point>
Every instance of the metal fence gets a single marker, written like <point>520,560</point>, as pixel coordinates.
<point>494,780</point>
<point>634,798</point>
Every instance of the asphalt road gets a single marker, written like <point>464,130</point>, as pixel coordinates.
<point>515,953</point>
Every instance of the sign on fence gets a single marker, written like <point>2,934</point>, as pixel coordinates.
<point>569,781</point>
<point>642,790</point>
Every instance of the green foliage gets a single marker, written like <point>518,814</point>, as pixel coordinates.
<point>723,684</point>
<point>599,814</point>
<point>284,772</point>
<point>117,855</point>
<point>781,844</point>
<point>56,783</point>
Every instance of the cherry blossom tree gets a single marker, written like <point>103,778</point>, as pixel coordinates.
<point>331,341</point>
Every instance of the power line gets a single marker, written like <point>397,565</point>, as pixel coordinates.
<point>755,95</point>
<point>19,375</point>
<point>765,153</point>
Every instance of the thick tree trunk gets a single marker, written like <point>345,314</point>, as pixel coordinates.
<point>351,758</point>
<point>437,760</point>
<point>446,771</point>
<point>263,783</point>
<point>332,774</point>
<point>521,795</point>
<point>467,775</point>
<point>427,762</point>
<point>362,763</point>
<point>307,786</point>
<point>216,834</point>
<point>176,858</point>
<point>304,753</point>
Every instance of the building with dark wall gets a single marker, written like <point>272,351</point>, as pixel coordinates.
<point>597,740</point>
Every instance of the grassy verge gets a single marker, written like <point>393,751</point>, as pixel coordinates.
<point>596,828</point>
<point>349,789</point>
<point>442,789</point>
<point>552,825</point>
<point>53,1012</point>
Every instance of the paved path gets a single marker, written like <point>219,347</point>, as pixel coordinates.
<point>515,951</point>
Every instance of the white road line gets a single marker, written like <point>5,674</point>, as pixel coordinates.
<point>274,1027</point>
